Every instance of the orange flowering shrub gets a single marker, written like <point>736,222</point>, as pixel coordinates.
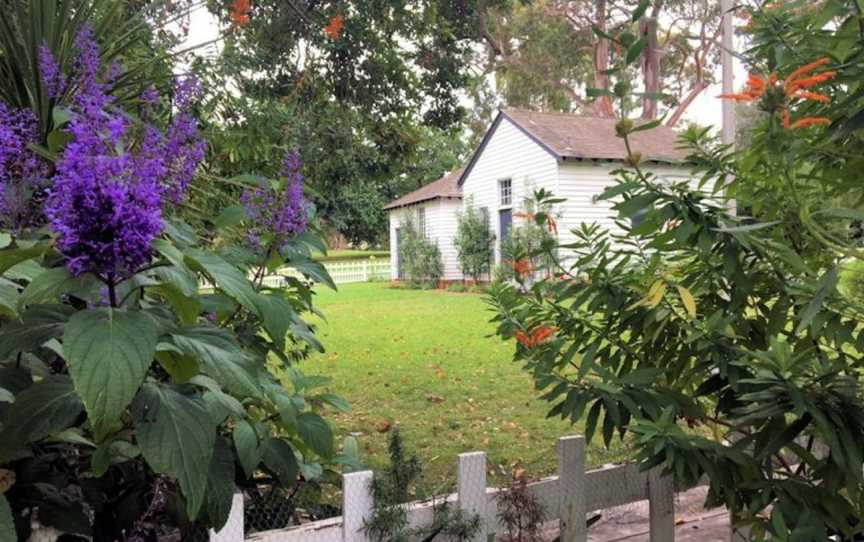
<point>335,26</point>
<point>778,97</point>
<point>239,13</point>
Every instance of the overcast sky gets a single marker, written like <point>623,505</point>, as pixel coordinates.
<point>705,110</point>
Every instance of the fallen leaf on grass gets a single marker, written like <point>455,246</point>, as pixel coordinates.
<point>435,399</point>
<point>383,426</point>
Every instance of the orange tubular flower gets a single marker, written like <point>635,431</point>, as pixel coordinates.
<point>526,216</point>
<point>240,12</point>
<point>536,337</point>
<point>521,267</point>
<point>810,121</point>
<point>794,87</point>
<point>334,28</point>
<point>551,225</point>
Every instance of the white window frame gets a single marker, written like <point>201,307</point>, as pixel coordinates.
<point>505,203</point>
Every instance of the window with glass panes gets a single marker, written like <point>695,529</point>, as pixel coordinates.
<point>505,193</point>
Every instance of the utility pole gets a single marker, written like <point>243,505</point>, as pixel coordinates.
<point>727,46</point>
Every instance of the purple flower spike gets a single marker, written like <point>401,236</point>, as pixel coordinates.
<point>280,215</point>
<point>106,202</point>
<point>52,77</point>
<point>22,172</point>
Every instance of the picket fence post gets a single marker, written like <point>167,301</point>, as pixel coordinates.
<point>571,489</point>
<point>471,489</point>
<point>356,504</point>
<point>661,506</point>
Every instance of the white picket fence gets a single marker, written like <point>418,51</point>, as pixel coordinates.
<point>568,497</point>
<point>342,272</point>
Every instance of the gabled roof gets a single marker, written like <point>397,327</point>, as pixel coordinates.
<point>573,137</point>
<point>445,187</point>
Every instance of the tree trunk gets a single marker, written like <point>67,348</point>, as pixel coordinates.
<point>650,67</point>
<point>603,104</point>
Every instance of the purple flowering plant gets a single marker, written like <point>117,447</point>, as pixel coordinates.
<point>152,342</point>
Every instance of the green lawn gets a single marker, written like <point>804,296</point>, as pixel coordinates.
<point>423,361</point>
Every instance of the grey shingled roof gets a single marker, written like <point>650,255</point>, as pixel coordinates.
<point>445,187</point>
<point>575,137</point>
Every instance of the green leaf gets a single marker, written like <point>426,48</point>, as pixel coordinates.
<point>280,459</point>
<point>220,357</point>
<point>250,452</point>
<point>314,270</point>
<point>599,32</point>
<point>228,278</point>
<point>60,115</point>
<point>7,524</point>
<point>748,227</point>
<point>43,409</point>
<point>688,300</point>
<point>186,307</point>
<point>179,366</point>
<point>335,401</point>
<point>9,297</point>
<point>648,125</point>
<point>640,10</point>
<point>51,283</point>
<point>38,324</point>
<point>57,139</point>
<point>635,50</point>
<point>826,286</point>
<point>6,396</point>
<point>12,257</point>
<point>230,216</point>
<point>177,437</point>
<point>316,433</point>
<point>179,275</point>
<point>277,315</point>
<point>220,485</point>
<point>109,352</point>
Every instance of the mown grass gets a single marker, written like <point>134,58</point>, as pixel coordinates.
<point>425,361</point>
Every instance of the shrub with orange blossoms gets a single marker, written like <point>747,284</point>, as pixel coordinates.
<point>521,267</point>
<point>335,26</point>
<point>776,98</point>
<point>535,337</point>
<point>239,13</point>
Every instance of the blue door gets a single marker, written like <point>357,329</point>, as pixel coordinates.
<point>505,222</point>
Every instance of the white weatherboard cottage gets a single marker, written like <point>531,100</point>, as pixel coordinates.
<point>522,151</point>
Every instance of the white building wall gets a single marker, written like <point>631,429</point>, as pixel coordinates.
<point>582,182</point>
<point>509,154</point>
<point>440,229</point>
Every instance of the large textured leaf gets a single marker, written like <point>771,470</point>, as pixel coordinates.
<point>220,484</point>
<point>43,409</point>
<point>48,285</point>
<point>314,270</point>
<point>220,356</point>
<point>37,325</point>
<point>277,314</point>
<point>178,274</point>
<point>249,447</point>
<point>7,524</point>
<point>228,278</point>
<point>109,352</point>
<point>316,433</point>
<point>12,257</point>
<point>279,457</point>
<point>8,300</point>
<point>176,437</point>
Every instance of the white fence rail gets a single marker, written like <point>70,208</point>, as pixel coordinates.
<point>341,272</point>
<point>568,497</point>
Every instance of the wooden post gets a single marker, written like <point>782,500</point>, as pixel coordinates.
<point>356,504</point>
<point>661,506</point>
<point>471,479</point>
<point>727,45</point>
<point>233,530</point>
<point>571,489</point>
